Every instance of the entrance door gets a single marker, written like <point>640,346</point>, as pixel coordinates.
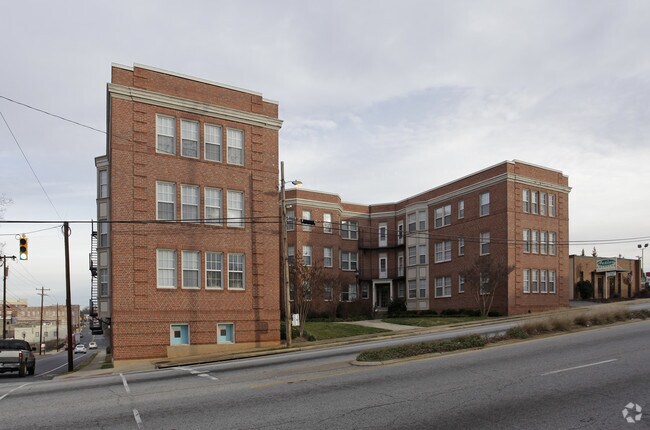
<point>612,286</point>
<point>179,334</point>
<point>383,295</point>
<point>600,287</point>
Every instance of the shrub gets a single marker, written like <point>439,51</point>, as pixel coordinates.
<point>585,289</point>
<point>560,324</point>
<point>582,320</point>
<point>516,333</point>
<point>449,312</point>
<point>421,348</point>
<point>536,327</point>
<point>493,314</point>
<point>397,307</point>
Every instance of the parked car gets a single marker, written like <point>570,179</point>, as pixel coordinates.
<point>92,345</point>
<point>80,349</point>
<point>16,356</point>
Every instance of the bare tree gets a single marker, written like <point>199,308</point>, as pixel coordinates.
<point>304,281</point>
<point>4,202</point>
<point>484,278</point>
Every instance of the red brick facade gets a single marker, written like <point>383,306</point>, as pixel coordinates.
<point>155,281</point>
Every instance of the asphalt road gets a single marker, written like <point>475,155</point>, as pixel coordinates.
<point>577,380</point>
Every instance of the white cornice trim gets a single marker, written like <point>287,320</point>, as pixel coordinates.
<point>171,102</point>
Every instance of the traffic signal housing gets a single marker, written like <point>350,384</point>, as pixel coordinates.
<point>24,252</point>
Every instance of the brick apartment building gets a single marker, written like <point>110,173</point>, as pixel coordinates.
<point>417,248</point>
<point>188,233</point>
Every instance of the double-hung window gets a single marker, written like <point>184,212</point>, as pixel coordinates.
<point>236,275</point>
<point>383,234</point>
<point>551,281</point>
<point>411,222</point>
<point>348,261</point>
<point>535,244</point>
<point>443,251</point>
<point>306,215</point>
<point>552,237</point>
<point>166,201</point>
<point>306,255</point>
<point>103,283</point>
<point>422,220</point>
<point>535,277</point>
<point>190,203</point>
<point>327,223</point>
<point>235,140</point>
<point>526,240</point>
<point>189,139</point>
<point>412,255</point>
<point>291,220</point>
<point>542,281</point>
<point>423,288</point>
<point>103,234</point>
<point>327,257</point>
<point>349,294</point>
<point>551,205</point>
<point>461,209</point>
<point>534,208</point>
<point>543,242</point>
<point>214,270</point>
<point>485,242</point>
<point>525,197</point>
<point>212,205</point>
<point>526,281</point>
<point>165,134</point>
<point>542,203</point>
<point>443,286</point>
<point>400,233</point>
<point>235,209</point>
<point>461,246</point>
<point>166,268</point>
<point>191,269</point>
<point>461,284</point>
<point>212,142</point>
<point>443,216</point>
<point>422,254</point>
<point>413,289</point>
<point>103,184</point>
<point>484,202</point>
<point>349,230</point>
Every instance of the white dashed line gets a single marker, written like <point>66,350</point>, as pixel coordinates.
<point>578,367</point>
<point>138,421</point>
<point>202,373</point>
<point>126,386</point>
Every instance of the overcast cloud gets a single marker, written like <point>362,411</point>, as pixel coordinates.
<point>380,100</point>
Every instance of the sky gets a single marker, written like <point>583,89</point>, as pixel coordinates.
<point>381,100</point>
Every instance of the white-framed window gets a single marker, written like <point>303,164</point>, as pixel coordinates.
<point>552,239</point>
<point>423,289</point>
<point>411,222</point>
<point>327,223</point>
<point>525,197</point>
<point>103,184</point>
<point>422,254</point>
<point>461,246</point>
<point>103,234</point>
<point>235,141</point>
<point>401,290</point>
<point>484,284</point>
<point>291,254</point>
<point>166,268</point>
<point>348,261</point>
<point>461,209</point>
<point>349,294</point>
<point>534,206</point>
<point>383,235</point>
<point>383,266</point>
<point>443,286</point>
<point>526,240</point>
<point>190,203</point>
<point>225,333</point>
<point>535,242</point>
<point>400,264</point>
<point>214,270</point>
<point>551,281</point>
<point>291,220</point>
<point>443,216</point>
<point>191,269</point>
<point>461,284</point>
<point>412,288</point>
<point>400,233</point>
<point>328,293</point>
<point>526,281</point>
<point>484,239</point>
<point>535,280</point>
<point>349,230</point>
<point>542,281</point>
<point>103,283</point>
<point>213,139</point>
<point>212,198</point>
<point>306,255</point>
<point>165,134</point>
<point>443,251</point>
<point>422,220</point>
<point>236,272</point>
<point>165,201</point>
<point>551,205</point>
<point>306,215</point>
<point>365,291</point>
<point>235,209</point>
<point>412,255</point>
<point>189,139</point>
<point>484,204</point>
<point>328,257</point>
<point>542,203</point>
<point>543,242</point>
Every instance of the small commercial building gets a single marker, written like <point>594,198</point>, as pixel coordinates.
<point>611,277</point>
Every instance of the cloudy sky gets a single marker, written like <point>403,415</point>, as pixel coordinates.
<point>380,100</point>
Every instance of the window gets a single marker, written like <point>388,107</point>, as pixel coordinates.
<point>401,290</point>
<point>103,184</point>
<point>543,242</point>
<point>212,197</point>
<point>383,266</point>
<point>327,223</point>
<point>525,197</point>
<point>191,269</point>
<point>189,139</point>
<point>410,220</point>
<point>484,200</point>
<point>422,220</point>
<point>533,207</point>
<point>165,134</point>
<point>327,257</point>
<point>535,244</point>
<point>526,282</point>
<point>226,333</point>
<point>212,142</point>
<point>535,277</point>
<point>400,233</point>
<point>412,255</point>
<point>551,243</point>
<point>236,278</point>
<point>461,246</point>
<point>235,209</point>
<point>235,140</point>
<point>526,240</point>
<point>542,203</point>
<point>349,230</point>
<point>484,284</point>
<point>103,234</point>
<point>400,264</point>
<point>542,281</point>
<point>103,282</point>
<point>365,291</point>
<point>551,205</point>
<point>484,239</point>
<point>443,216</point>
<point>412,287</point>
<point>551,281</point>
<point>306,215</point>
<point>189,203</point>
<point>166,268</point>
<point>461,209</point>
<point>443,286</point>
<point>291,220</point>
<point>461,284</point>
<point>443,251</point>
<point>291,254</point>
<point>349,261</point>
<point>422,254</point>
<point>424,287</point>
<point>349,294</point>
<point>306,255</point>
<point>383,239</point>
<point>213,270</point>
<point>166,200</point>
<point>328,293</point>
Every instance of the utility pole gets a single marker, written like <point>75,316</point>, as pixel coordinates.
<point>57,326</point>
<point>68,299</point>
<point>40,333</point>
<point>5,272</point>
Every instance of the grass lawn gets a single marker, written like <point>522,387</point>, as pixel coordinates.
<point>431,321</point>
<point>331,330</point>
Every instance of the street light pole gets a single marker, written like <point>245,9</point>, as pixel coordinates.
<point>285,260</point>
<point>642,248</point>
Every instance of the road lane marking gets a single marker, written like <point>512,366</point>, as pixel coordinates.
<point>578,367</point>
<point>138,421</point>
<point>56,368</point>
<point>11,391</point>
<point>126,386</point>
<point>203,373</point>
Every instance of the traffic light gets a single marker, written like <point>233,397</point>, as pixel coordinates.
<point>23,247</point>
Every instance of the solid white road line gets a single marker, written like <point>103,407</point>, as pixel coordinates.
<point>578,367</point>
<point>17,388</point>
<point>126,386</point>
<point>138,421</point>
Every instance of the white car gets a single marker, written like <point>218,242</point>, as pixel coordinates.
<point>80,349</point>
<point>92,345</point>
